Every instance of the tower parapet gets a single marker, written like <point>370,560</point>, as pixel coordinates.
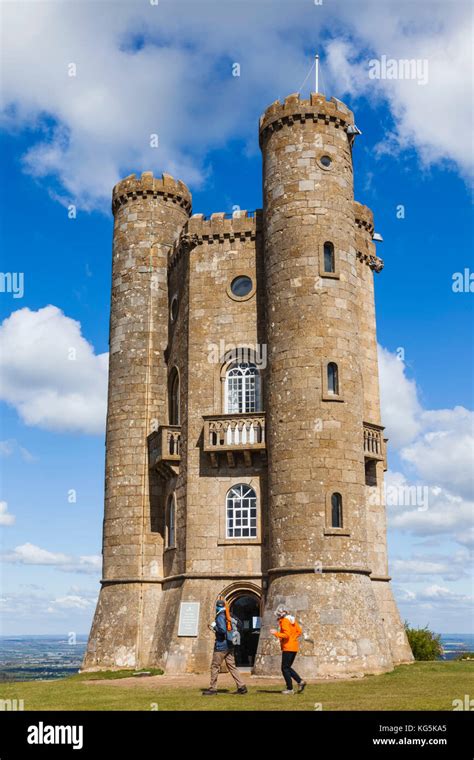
<point>331,112</point>
<point>220,226</point>
<point>166,187</point>
<point>364,218</point>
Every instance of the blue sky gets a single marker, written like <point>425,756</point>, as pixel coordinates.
<point>68,139</point>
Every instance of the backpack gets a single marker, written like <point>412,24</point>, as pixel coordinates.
<point>233,626</point>
<point>233,636</point>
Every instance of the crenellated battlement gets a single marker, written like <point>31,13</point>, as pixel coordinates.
<point>374,262</point>
<point>240,225</point>
<point>331,112</point>
<point>364,218</point>
<point>133,187</point>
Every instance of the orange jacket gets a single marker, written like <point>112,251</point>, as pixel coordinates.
<point>288,634</point>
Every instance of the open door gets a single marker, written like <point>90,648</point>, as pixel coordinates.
<point>246,608</point>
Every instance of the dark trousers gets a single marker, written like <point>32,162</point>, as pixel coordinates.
<point>287,660</point>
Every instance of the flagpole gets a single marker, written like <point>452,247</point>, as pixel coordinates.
<point>316,59</point>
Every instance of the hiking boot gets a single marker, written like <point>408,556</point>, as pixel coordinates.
<point>288,691</point>
<point>301,686</point>
<point>241,690</point>
<point>209,692</point>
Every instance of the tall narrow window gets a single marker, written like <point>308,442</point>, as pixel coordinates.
<point>370,472</point>
<point>336,510</point>
<point>171,522</point>
<point>333,378</point>
<point>329,262</point>
<point>173,397</point>
<point>241,512</point>
<point>242,388</point>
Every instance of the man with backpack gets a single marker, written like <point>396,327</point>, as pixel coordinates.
<point>288,633</point>
<point>227,637</point>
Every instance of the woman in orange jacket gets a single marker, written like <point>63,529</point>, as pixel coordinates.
<point>288,632</point>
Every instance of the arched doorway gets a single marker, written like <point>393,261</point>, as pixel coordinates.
<point>246,608</point>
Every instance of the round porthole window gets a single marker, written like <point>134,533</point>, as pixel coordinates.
<point>326,161</point>
<point>241,286</point>
<point>174,309</point>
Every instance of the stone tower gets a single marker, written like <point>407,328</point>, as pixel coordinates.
<point>245,451</point>
<point>149,214</point>
<point>322,393</point>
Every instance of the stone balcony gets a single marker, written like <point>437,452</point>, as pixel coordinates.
<point>164,449</point>
<point>374,443</point>
<point>229,436</point>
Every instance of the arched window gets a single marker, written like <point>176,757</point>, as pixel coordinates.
<point>336,510</point>
<point>173,397</point>
<point>329,262</point>
<point>241,512</point>
<point>242,388</point>
<point>333,379</point>
<point>170,522</point>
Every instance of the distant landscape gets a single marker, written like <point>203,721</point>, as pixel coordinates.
<point>32,658</point>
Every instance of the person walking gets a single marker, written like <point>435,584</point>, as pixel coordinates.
<point>289,630</point>
<point>223,650</point>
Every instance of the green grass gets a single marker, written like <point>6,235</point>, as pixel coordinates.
<point>421,686</point>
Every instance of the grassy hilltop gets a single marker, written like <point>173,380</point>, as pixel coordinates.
<point>431,685</point>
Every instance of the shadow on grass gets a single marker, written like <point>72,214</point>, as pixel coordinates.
<point>218,691</point>
<point>269,691</point>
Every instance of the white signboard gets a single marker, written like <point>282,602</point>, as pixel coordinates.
<point>188,619</point>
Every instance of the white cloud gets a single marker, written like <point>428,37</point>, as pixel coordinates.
<point>47,612</point>
<point>89,563</point>
<point>437,606</point>
<point>441,514</point>
<point>50,373</point>
<point>6,448</point>
<point>436,593</point>
<point>30,554</point>
<point>178,84</point>
<point>444,452</point>
<point>70,602</point>
<point>5,517</point>
<point>439,36</point>
<point>399,400</point>
<point>437,445</point>
<point>10,446</point>
<point>453,567</point>
<point>433,497</point>
<point>167,69</point>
